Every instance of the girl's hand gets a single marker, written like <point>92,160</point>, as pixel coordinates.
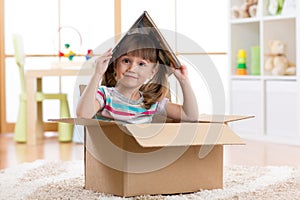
<point>180,73</point>
<point>101,63</point>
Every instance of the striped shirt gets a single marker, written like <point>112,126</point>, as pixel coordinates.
<point>115,106</point>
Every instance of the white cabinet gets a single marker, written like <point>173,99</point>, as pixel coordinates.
<point>246,98</point>
<point>281,112</point>
<point>273,100</point>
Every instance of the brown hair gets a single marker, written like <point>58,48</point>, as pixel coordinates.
<point>140,45</point>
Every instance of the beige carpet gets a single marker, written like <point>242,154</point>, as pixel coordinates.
<point>64,180</point>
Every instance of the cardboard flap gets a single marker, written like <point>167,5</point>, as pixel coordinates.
<point>83,121</point>
<point>221,118</point>
<point>183,134</point>
<point>169,134</point>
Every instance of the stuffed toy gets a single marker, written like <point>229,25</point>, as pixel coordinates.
<point>275,7</point>
<point>247,9</point>
<point>277,62</point>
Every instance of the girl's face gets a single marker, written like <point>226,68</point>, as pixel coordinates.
<point>133,72</point>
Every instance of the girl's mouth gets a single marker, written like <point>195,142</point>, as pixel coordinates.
<point>130,76</point>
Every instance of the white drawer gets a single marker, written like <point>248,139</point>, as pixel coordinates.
<point>281,108</point>
<point>246,97</point>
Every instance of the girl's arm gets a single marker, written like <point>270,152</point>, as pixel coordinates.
<point>189,110</point>
<point>88,106</point>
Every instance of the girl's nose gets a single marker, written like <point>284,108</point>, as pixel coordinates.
<point>132,67</point>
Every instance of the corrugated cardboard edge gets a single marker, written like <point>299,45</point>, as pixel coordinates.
<point>183,134</point>
<point>82,121</point>
<point>203,118</point>
<point>222,118</point>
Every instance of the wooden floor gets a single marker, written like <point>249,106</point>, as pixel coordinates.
<point>12,153</point>
<point>253,153</point>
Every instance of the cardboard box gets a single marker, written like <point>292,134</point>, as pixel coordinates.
<point>170,158</point>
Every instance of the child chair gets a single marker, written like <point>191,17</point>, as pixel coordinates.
<point>65,131</point>
<point>78,135</point>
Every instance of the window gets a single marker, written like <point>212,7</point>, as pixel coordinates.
<point>93,21</point>
<point>45,27</point>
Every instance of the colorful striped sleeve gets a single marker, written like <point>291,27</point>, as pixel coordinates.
<point>100,97</point>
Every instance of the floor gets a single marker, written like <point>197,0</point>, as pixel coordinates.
<point>253,153</point>
<point>12,153</point>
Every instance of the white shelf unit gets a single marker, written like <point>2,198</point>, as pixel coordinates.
<point>273,100</point>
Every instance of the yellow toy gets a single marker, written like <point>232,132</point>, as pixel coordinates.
<point>68,55</point>
<point>241,68</point>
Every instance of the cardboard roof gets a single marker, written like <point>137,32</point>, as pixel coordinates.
<point>145,25</point>
<point>171,134</point>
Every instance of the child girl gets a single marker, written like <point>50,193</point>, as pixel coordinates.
<point>134,86</point>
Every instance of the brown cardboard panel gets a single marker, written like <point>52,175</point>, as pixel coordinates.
<point>183,134</point>
<point>138,159</point>
<point>98,175</point>
<point>186,173</point>
<point>222,118</point>
<point>169,134</point>
<point>100,178</point>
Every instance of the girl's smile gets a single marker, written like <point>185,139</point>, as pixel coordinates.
<point>132,71</point>
<point>130,75</point>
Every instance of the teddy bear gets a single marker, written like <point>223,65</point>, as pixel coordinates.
<point>247,9</point>
<point>277,62</point>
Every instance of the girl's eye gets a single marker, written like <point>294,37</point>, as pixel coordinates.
<point>126,60</point>
<point>142,64</point>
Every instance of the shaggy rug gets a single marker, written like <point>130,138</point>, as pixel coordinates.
<point>64,180</point>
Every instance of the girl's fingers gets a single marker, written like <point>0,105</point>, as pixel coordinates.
<point>181,69</point>
<point>105,57</point>
<point>180,73</point>
<point>108,52</point>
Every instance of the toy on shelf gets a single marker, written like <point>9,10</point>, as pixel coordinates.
<point>247,9</point>
<point>275,7</point>
<point>69,41</point>
<point>89,54</point>
<point>241,67</point>
<point>255,60</point>
<point>277,62</point>
<point>70,54</point>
